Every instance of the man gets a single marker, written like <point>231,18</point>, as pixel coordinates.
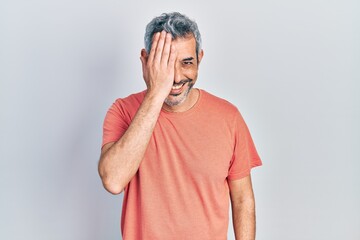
<point>178,152</point>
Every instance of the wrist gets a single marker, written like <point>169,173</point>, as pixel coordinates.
<point>154,97</point>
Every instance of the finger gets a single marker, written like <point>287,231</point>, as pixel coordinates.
<point>153,47</point>
<point>159,47</point>
<point>172,57</point>
<point>166,50</point>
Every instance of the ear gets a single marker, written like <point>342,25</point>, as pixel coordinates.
<point>143,57</point>
<point>200,55</point>
<point>143,54</point>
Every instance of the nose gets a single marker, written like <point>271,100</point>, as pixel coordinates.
<point>177,74</point>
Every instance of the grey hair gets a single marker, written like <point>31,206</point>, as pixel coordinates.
<point>175,23</point>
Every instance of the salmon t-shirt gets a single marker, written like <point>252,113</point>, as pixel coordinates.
<point>180,190</point>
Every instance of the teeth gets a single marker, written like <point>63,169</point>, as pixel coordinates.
<point>175,87</point>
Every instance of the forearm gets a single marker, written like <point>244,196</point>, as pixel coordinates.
<point>244,219</point>
<point>121,161</point>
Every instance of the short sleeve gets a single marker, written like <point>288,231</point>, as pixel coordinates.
<point>245,156</point>
<point>115,124</point>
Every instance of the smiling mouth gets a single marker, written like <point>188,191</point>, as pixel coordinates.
<point>178,86</point>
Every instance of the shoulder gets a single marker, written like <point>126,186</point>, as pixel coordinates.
<point>219,110</point>
<point>131,99</point>
<point>127,106</point>
<point>218,104</point>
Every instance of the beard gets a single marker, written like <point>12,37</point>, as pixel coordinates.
<point>177,99</point>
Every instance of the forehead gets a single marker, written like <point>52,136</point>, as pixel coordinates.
<point>186,47</point>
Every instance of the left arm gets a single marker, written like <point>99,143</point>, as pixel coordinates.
<point>243,208</point>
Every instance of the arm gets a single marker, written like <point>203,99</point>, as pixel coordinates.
<point>120,161</point>
<point>243,208</point>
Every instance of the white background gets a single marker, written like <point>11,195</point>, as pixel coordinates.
<point>291,67</point>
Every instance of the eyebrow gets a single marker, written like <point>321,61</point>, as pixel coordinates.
<point>188,59</point>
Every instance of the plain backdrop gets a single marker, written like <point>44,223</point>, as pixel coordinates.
<point>291,67</point>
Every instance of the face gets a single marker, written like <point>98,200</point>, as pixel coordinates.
<point>186,70</point>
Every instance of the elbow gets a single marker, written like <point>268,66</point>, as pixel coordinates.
<point>114,189</point>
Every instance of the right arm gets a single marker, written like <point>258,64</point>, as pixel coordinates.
<point>119,161</point>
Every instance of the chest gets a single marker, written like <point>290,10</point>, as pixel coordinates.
<point>196,150</point>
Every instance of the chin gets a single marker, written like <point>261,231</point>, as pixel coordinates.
<point>175,100</point>
<point>179,99</point>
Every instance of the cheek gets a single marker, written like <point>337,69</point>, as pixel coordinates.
<point>190,72</point>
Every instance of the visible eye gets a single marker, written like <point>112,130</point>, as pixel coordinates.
<point>188,63</point>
